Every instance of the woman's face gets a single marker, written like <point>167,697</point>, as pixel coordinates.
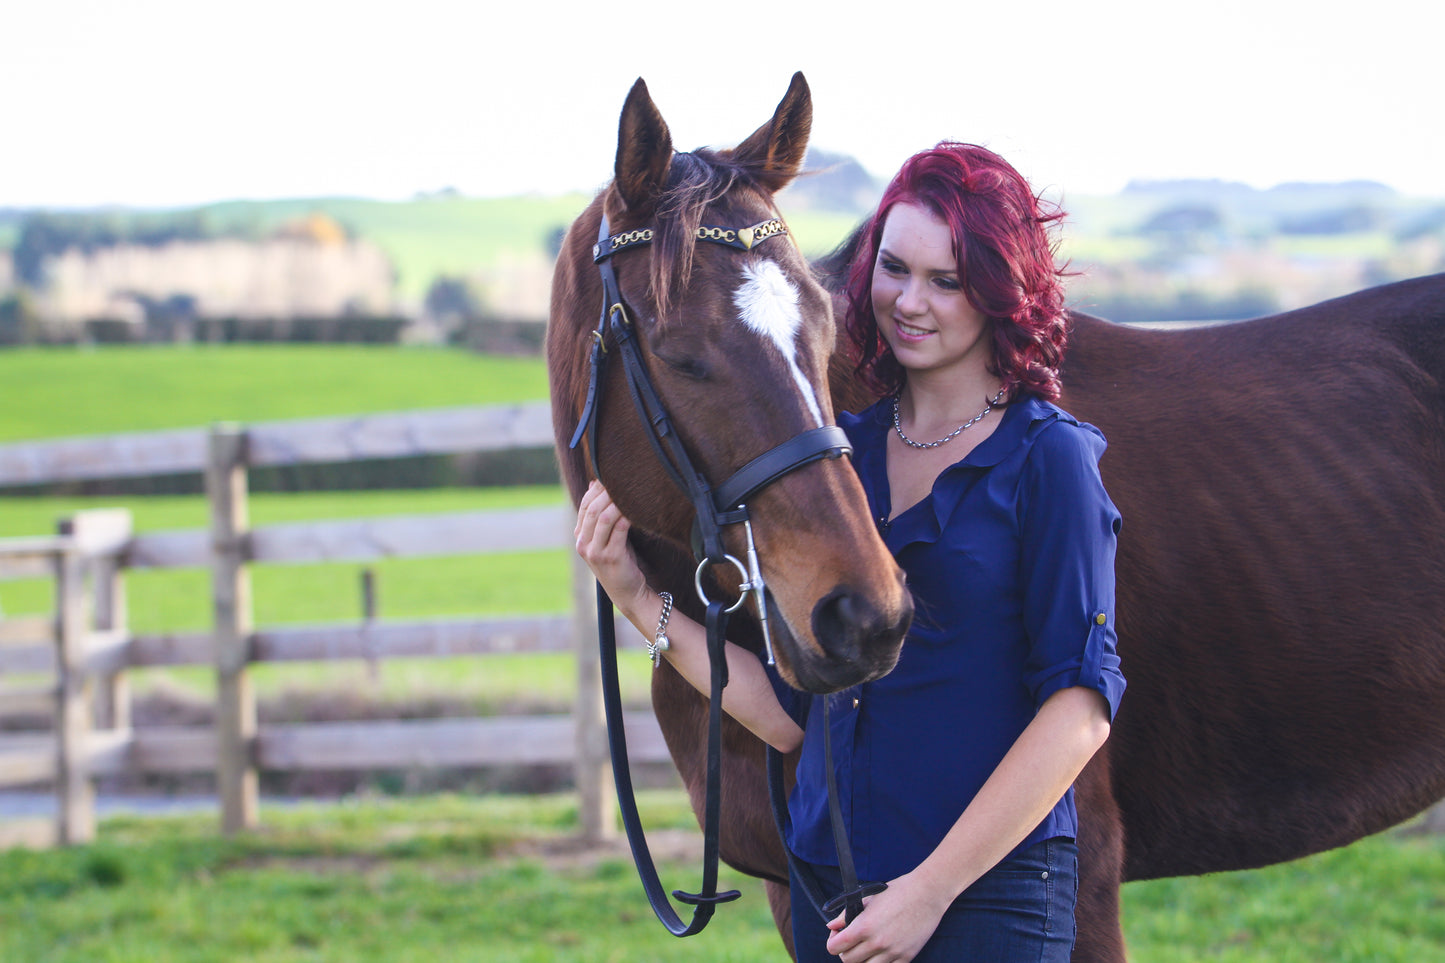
<point>918,303</point>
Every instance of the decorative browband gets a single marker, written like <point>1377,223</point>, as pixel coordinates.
<point>742,238</point>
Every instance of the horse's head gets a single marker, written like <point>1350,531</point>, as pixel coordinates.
<point>736,340</point>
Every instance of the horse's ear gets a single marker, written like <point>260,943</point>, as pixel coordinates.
<point>774,152</point>
<point>644,150</point>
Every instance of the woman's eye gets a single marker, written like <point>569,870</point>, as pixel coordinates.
<point>947,284</point>
<point>891,267</point>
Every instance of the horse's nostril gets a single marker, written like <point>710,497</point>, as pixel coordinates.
<point>860,641</point>
<point>846,625</point>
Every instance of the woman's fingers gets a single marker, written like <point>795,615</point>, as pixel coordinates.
<point>602,543</point>
<point>601,528</point>
<point>589,498</point>
<point>586,521</point>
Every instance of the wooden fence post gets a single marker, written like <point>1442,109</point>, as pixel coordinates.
<point>102,534</point>
<point>368,620</point>
<point>596,799</point>
<point>75,814</point>
<point>236,777</point>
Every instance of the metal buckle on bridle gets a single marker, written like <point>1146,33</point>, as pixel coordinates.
<point>752,584</point>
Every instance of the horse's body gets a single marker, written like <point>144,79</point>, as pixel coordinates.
<point>1281,587</point>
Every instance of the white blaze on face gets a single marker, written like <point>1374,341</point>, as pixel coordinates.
<point>767,303</point>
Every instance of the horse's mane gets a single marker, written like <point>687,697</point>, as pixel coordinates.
<point>695,181</point>
<point>832,268</point>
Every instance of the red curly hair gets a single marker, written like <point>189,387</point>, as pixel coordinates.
<point>1005,265</point>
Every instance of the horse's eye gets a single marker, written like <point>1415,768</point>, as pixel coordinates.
<point>687,367</point>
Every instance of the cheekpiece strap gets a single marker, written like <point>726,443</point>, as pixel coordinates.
<point>740,238</point>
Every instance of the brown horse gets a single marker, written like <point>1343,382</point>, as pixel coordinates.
<point>738,377</point>
<point>1281,584</point>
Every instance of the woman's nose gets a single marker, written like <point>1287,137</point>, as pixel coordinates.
<point>910,299</point>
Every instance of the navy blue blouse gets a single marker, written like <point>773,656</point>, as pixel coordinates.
<point>1011,565</point>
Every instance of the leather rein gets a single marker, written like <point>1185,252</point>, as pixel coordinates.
<point>715,508</point>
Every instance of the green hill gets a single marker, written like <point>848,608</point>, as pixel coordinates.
<point>1137,250</point>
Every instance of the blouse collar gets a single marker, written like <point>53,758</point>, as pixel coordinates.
<point>1021,420</point>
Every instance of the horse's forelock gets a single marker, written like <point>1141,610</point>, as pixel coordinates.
<point>696,181</point>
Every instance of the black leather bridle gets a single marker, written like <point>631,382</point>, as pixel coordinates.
<point>715,507</point>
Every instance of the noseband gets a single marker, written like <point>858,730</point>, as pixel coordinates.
<point>715,507</point>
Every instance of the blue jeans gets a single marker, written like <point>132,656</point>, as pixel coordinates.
<point>1021,910</point>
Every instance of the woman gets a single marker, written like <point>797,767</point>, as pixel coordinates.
<point>955,770</point>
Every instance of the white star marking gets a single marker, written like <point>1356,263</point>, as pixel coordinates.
<point>767,303</point>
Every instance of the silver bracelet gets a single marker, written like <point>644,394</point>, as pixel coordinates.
<point>660,642</point>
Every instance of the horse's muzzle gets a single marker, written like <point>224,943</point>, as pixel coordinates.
<point>860,642</point>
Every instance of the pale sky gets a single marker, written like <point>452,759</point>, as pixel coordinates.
<point>158,102</point>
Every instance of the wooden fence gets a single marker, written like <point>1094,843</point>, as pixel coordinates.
<point>86,648</point>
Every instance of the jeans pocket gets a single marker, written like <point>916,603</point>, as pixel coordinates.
<point>1025,901</point>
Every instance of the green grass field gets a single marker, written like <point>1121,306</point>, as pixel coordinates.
<point>69,392</point>
<point>54,392</point>
<point>496,879</point>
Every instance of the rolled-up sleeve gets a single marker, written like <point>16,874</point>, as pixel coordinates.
<point>1069,534</point>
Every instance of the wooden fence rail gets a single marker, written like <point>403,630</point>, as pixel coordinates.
<point>396,435</point>
<point>87,649</point>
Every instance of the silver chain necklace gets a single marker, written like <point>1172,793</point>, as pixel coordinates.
<point>898,426</point>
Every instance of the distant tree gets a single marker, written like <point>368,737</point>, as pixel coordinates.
<point>1353,219</point>
<point>1184,219</point>
<point>44,235</point>
<point>180,226</point>
<point>453,299</point>
<point>19,321</point>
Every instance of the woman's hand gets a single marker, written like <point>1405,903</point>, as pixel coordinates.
<point>893,927</point>
<point>749,698</point>
<point>602,543</point>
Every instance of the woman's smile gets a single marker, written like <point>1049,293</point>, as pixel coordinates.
<point>907,330</point>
